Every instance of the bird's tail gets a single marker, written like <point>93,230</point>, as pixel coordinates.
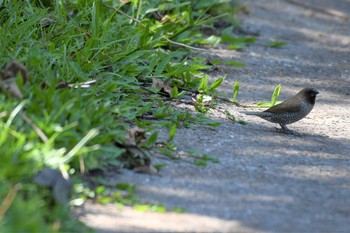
<point>260,114</point>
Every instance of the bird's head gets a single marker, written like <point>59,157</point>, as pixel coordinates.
<point>309,94</point>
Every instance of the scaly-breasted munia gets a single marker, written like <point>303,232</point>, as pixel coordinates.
<point>291,110</point>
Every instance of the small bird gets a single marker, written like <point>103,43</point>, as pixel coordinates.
<point>291,110</point>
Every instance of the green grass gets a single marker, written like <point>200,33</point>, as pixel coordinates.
<point>92,69</point>
<point>276,44</point>
<point>274,98</point>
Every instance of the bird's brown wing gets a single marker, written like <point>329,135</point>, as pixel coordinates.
<point>289,105</point>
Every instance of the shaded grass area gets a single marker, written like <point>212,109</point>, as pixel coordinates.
<point>103,77</point>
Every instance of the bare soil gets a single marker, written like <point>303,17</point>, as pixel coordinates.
<point>266,181</point>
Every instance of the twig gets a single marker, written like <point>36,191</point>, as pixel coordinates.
<point>188,102</point>
<point>37,130</point>
<point>229,101</point>
<point>184,45</point>
<point>5,205</point>
<point>330,12</point>
<point>164,37</point>
<point>81,165</point>
<point>238,104</point>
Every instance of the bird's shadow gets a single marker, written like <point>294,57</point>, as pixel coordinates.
<point>291,133</point>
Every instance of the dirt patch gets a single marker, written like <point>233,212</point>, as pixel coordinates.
<point>266,181</point>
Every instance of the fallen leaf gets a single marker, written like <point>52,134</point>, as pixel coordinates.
<point>7,83</point>
<point>12,69</point>
<point>10,87</point>
<point>160,84</point>
<point>133,156</point>
<point>157,83</point>
<point>167,89</point>
<point>149,169</point>
<point>245,10</point>
<point>134,136</point>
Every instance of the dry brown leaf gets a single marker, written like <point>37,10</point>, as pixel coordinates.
<point>12,69</point>
<point>11,88</point>
<point>134,136</point>
<point>158,83</point>
<point>149,169</point>
<point>8,200</point>
<point>167,89</point>
<point>7,84</point>
<point>245,10</point>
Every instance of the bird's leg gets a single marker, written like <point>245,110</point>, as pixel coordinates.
<point>285,128</point>
<point>288,131</point>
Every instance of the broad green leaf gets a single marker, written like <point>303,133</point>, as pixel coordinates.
<point>174,92</point>
<point>203,86</point>
<point>159,166</point>
<point>123,186</point>
<point>172,132</point>
<point>238,40</point>
<point>154,89</point>
<point>142,208</point>
<point>105,200</point>
<point>230,116</point>
<point>242,122</point>
<point>234,63</point>
<point>152,208</point>
<point>179,210</point>
<point>100,189</point>
<point>210,158</point>
<point>200,162</point>
<point>216,62</point>
<point>164,61</point>
<point>153,138</point>
<point>202,119</point>
<point>264,104</point>
<point>276,44</point>
<point>237,46</point>
<point>212,40</point>
<point>274,98</point>
<point>144,37</point>
<point>181,94</point>
<point>235,91</point>
<point>168,152</point>
<point>276,94</point>
<point>215,85</point>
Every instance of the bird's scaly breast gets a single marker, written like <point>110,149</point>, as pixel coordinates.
<point>291,117</point>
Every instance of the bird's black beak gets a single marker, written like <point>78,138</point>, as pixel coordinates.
<point>314,92</point>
